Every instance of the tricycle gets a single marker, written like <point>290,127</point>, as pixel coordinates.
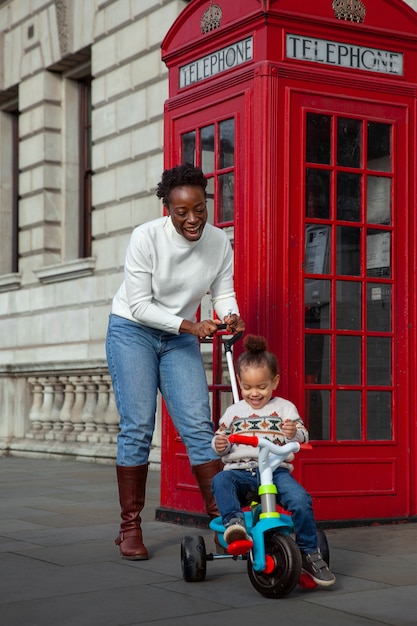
<point>273,558</point>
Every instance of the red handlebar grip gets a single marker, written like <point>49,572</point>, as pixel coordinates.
<point>248,440</point>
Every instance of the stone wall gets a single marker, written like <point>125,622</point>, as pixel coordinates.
<point>54,309</point>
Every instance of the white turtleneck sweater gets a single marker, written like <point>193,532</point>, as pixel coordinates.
<point>166,276</point>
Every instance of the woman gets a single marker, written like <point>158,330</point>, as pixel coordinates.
<point>152,341</point>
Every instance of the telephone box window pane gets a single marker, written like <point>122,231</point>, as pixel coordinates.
<point>348,309</point>
<point>349,142</point>
<point>317,403</point>
<point>317,193</point>
<point>318,138</point>
<point>378,253</point>
<point>379,147</point>
<point>348,251</point>
<point>379,361</point>
<point>317,359</point>
<point>349,197</point>
<point>378,307</point>
<point>226,400</point>
<point>317,303</point>
<point>378,200</point>
<point>379,416</point>
<point>188,147</point>
<point>210,200</point>
<point>348,411</point>
<point>348,360</point>
<point>227,143</point>
<point>207,149</point>
<point>226,197</point>
<point>230,232</point>
<point>317,248</point>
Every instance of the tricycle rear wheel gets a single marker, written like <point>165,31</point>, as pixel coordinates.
<point>283,553</point>
<point>193,558</point>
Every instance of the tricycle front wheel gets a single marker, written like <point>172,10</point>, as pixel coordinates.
<point>323,545</point>
<point>283,567</point>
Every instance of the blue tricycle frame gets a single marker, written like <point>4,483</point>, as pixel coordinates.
<point>273,558</point>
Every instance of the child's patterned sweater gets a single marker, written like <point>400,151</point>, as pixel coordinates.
<point>241,418</point>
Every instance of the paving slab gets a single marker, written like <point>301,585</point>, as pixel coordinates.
<point>59,564</point>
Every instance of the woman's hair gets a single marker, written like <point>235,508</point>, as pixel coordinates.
<point>179,176</point>
<point>257,355</point>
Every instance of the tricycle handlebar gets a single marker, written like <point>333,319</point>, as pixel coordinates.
<point>228,343</point>
<point>263,442</point>
<point>253,440</point>
<point>247,440</point>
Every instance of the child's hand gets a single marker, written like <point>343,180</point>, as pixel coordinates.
<point>221,442</point>
<point>289,429</point>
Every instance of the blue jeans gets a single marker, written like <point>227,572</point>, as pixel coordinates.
<point>230,488</point>
<point>142,360</point>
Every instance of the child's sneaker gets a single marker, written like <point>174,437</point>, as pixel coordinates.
<point>235,530</point>
<point>317,568</point>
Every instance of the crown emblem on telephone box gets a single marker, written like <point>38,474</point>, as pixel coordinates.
<point>211,18</point>
<point>352,10</point>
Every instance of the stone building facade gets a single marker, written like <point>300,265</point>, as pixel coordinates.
<point>82,91</point>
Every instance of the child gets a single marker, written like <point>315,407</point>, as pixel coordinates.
<point>277,419</point>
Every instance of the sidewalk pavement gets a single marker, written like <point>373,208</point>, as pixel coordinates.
<point>59,565</point>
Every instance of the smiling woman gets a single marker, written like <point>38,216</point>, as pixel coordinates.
<point>152,340</point>
<point>188,211</point>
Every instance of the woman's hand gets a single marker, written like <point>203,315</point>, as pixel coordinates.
<point>221,443</point>
<point>205,328</point>
<point>234,323</point>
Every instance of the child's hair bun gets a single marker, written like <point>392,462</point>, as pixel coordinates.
<point>255,343</point>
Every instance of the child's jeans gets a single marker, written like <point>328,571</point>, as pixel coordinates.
<point>231,487</point>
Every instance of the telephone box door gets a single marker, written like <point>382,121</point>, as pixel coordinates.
<point>207,138</point>
<point>348,302</point>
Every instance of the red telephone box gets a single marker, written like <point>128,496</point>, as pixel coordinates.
<point>303,117</point>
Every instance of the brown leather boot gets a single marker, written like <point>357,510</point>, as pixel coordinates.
<point>132,485</point>
<point>204,474</point>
